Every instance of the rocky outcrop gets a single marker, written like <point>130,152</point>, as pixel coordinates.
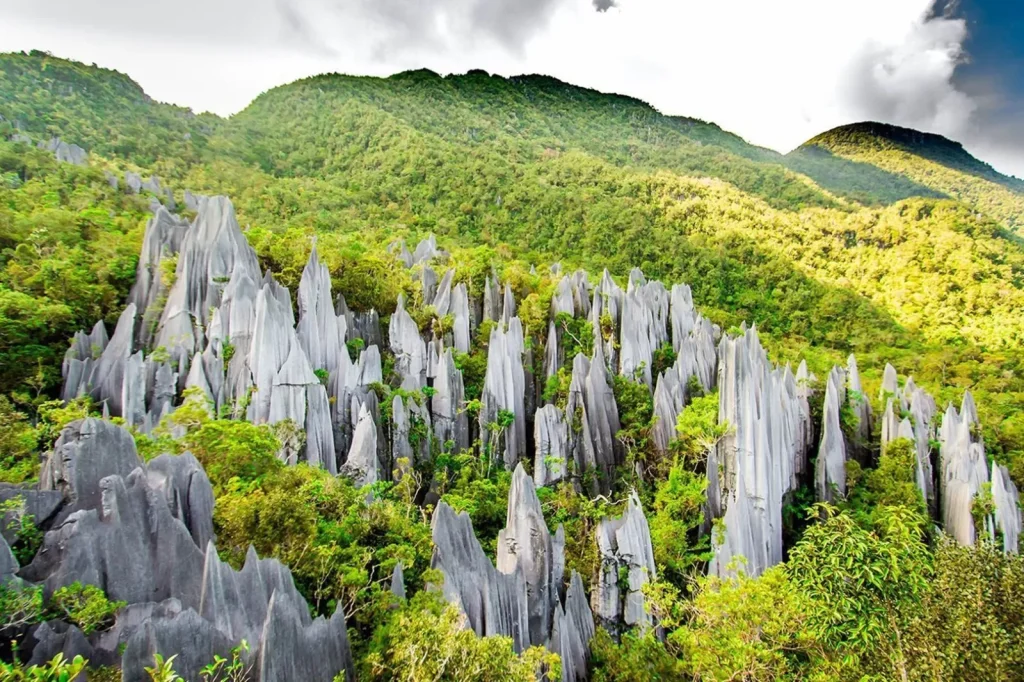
<point>504,391</point>
<point>408,348</point>
<point>964,472</point>
<point>551,440</point>
<point>860,408</point>
<point>362,464</point>
<point>755,464</point>
<point>1007,514</point>
<point>593,415</point>
<point>830,468</point>
<point>66,153</point>
<point>446,405</point>
<point>624,547</point>
<point>145,537</point>
<point>493,602</point>
<point>524,597</point>
<point>526,548</point>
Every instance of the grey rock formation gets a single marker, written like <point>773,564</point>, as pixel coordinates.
<point>425,250</point>
<point>572,630</point>
<point>398,581</point>
<point>551,440</point>
<point>8,564</point>
<point>193,641</point>
<point>755,464</point>
<point>133,182</point>
<point>187,491</point>
<point>86,452</point>
<point>214,253</point>
<point>504,390</point>
<point>362,464</point>
<point>964,472</point>
<point>442,301</point>
<point>669,401</point>
<point>461,321</point>
<point>41,505</point>
<point>446,405</point>
<point>527,549</point>
<point>1007,508</point>
<point>66,153</point>
<point>607,307</point>
<point>493,602</point>
<point>139,537</point>
<point>80,359</point>
<point>623,543</point>
<point>860,406</point>
<point>408,348</point>
<point>830,468</point>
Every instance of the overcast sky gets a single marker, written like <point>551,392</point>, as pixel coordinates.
<point>776,72</point>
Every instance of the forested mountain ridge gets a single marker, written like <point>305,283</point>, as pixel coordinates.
<point>363,275</point>
<point>931,160</point>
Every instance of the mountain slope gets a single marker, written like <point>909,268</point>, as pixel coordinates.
<point>533,170</point>
<point>930,160</point>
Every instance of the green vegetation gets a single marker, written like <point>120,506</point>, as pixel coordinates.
<point>85,606</point>
<point>896,246</point>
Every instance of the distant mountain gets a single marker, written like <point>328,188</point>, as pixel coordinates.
<point>931,160</point>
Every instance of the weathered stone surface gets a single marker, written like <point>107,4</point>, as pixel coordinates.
<point>425,250</point>
<point>526,548</point>
<point>964,472</point>
<point>146,538</point>
<point>669,401</point>
<point>449,416</point>
<point>442,300</point>
<point>754,465</point>
<point>398,581</point>
<point>1007,508</point>
<point>8,564</point>
<point>66,153</point>
<point>408,348</point>
<point>41,505</point>
<point>460,318</point>
<point>860,406</point>
<point>86,452</point>
<point>133,182</point>
<point>623,543</point>
<point>551,440</point>
<point>504,390</point>
<point>192,640</point>
<point>213,253</point>
<point>494,602</point>
<point>607,305</point>
<point>56,637</point>
<point>572,630</point>
<point>830,468</point>
<point>362,464</point>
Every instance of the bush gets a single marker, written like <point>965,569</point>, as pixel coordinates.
<point>85,606</point>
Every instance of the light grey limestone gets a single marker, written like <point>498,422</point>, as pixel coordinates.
<point>449,417</point>
<point>830,468</point>
<point>362,463</point>
<point>551,441</point>
<point>493,602</point>
<point>527,549</point>
<point>408,348</point>
<point>623,543</point>
<point>504,390</point>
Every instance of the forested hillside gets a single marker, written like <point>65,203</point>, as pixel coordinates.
<point>891,245</point>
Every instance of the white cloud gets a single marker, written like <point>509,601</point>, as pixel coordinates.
<point>776,73</point>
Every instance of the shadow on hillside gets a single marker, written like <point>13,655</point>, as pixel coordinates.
<point>861,182</point>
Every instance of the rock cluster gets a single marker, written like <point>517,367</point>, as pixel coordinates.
<point>525,596</point>
<point>965,473</point>
<point>144,534</point>
<point>760,458</point>
<point>624,547</point>
<point>66,153</point>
